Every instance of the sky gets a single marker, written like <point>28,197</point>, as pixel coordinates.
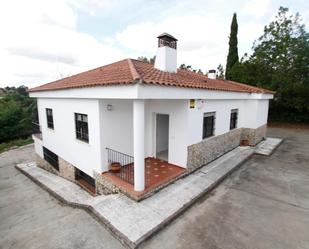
<point>45,40</point>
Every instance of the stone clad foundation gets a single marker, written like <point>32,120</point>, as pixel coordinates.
<point>254,135</point>
<point>66,170</point>
<point>104,187</point>
<point>211,148</point>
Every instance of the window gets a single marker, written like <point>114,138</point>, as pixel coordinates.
<point>233,119</point>
<point>80,175</point>
<point>208,124</point>
<point>51,157</point>
<point>81,126</point>
<point>50,119</point>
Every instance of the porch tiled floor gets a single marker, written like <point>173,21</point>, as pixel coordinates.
<point>157,173</point>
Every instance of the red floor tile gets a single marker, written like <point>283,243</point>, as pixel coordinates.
<point>157,172</point>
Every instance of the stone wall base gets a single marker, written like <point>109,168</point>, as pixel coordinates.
<point>204,152</point>
<point>104,187</point>
<point>66,170</point>
<point>254,135</point>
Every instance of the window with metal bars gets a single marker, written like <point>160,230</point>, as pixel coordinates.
<point>233,119</point>
<point>82,175</point>
<point>209,124</point>
<point>81,126</point>
<point>49,117</point>
<point>51,157</point>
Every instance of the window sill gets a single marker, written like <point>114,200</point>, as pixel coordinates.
<point>82,141</point>
<point>208,137</point>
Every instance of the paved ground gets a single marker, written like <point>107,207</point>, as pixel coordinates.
<point>30,218</point>
<point>133,221</point>
<point>265,204</point>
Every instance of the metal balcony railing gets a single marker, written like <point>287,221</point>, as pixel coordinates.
<point>36,130</point>
<point>125,161</point>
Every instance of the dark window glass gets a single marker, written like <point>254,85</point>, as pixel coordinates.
<point>51,157</point>
<point>81,175</point>
<point>81,126</point>
<point>50,119</point>
<point>233,119</point>
<point>208,125</point>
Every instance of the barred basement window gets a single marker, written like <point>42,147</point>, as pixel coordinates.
<point>81,126</point>
<point>50,119</point>
<point>51,157</point>
<point>233,119</point>
<point>209,124</point>
<point>80,175</point>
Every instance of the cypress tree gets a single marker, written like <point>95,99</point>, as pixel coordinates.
<point>232,57</point>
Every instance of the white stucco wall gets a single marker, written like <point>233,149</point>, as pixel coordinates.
<point>117,127</point>
<point>251,114</point>
<point>114,128</point>
<point>38,146</point>
<point>178,128</point>
<point>62,140</point>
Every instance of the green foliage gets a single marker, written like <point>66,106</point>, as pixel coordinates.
<point>16,110</point>
<point>145,59</point>
<point>232,57</point>
<point>280,62</point>
<point>189,68</point>
<point>220,70</point>
<point>15,143</point>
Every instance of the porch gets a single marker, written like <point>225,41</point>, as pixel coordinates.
<point>140,135</point>
<point>158,173</point>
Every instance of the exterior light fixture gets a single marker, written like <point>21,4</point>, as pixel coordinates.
<point>109,107</point>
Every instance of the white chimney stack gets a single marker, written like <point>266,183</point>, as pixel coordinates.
<point>212,74</point>
<point>166,58</point>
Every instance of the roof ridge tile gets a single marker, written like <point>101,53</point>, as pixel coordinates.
<point>135,74</point>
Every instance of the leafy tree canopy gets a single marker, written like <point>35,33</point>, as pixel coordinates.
<point>189,68</point>
<point>280,61</point>
<point>16,110</point>
<point>145,59</point>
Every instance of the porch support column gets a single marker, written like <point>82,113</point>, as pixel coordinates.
<point>139,140</point>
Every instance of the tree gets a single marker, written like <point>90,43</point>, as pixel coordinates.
<point>190,68</point>
<point>220,72</point>
<point>232,57</point>
<point>185,67</point>
<point>280,62</point>
<point>16,109</point>
<point>145,59</point>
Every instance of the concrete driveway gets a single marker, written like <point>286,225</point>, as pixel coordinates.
<point>31,218</point>
<point>264,204</point>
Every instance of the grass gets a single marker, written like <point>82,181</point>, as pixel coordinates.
<point>288,125</point>
<point>14,143</point>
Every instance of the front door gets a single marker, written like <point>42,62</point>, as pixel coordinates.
<point>162,135</point>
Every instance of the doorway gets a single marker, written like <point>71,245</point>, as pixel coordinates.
<point>162,136</point>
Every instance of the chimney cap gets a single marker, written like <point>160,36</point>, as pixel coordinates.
<point>167,35</point>
<point>212,71</point>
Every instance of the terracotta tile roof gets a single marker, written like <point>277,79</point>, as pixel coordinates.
<point>130,71</point>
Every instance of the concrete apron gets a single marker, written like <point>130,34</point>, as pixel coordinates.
<point>131,222</point>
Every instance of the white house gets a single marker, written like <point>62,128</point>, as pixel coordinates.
<point>131,110</point>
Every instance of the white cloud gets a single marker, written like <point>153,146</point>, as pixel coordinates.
<point>39,42</point>
<point>40,39</point>
<point>256,8</point>
<point>203,39</point>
